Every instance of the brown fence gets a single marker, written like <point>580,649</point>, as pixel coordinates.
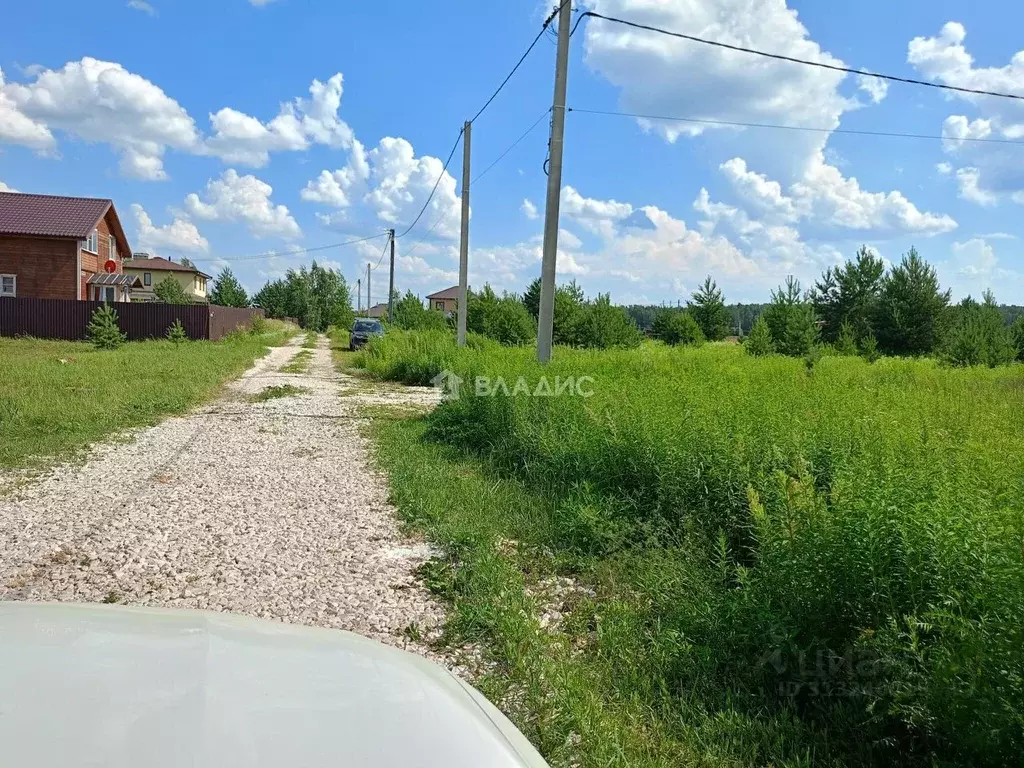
<point>69,319</point>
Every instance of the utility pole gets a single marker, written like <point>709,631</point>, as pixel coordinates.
<point>391,280</point>
<point>369,300</point>
<point>464,237</point>
<point>359,294</point>
<point>546,320</point>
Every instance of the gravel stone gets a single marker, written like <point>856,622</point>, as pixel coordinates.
<point>268,509</point>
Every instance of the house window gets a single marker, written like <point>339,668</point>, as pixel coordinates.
<point>91,243</point>
<point>147,278</point>
<point>107,293</point>
<point>439,305</point>
<point>8,285</point>
<point>113,248</point>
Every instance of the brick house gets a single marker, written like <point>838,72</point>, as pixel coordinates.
<point>446,301</point>
<point>152,270</point>
<point>62,248</point>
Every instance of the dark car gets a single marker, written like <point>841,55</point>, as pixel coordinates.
<point>363,329</point>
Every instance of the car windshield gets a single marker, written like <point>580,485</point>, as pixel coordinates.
<point>368,326</point>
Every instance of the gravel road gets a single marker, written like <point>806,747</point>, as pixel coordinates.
<point>264,508</point>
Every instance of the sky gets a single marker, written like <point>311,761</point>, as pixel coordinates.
<point>241,132</point>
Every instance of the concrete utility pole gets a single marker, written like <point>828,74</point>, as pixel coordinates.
<point>391,280</point>
<point>369,300</point>
<point>546,320</point>
<point>464,237</point>
<point>359,294</point>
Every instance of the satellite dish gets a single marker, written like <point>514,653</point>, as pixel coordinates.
<point>110,267</point>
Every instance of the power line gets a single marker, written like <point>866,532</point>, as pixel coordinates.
<point>386,244</point>
<point>806,62</point>
<point>543,29</point>
<point>432,191</point>
<point>446,214</point>
<point>777,126</point>
<point>514,144</point>
<point>278,254</point>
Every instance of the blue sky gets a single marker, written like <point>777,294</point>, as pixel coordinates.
<point>237,128</point>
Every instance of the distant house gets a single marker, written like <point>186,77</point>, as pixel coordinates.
<point>446,301</point>
<point>151,270</point>
<point>377,310</point>
<point>55,247</point>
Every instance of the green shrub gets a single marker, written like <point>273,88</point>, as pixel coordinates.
<point>176,332</point>
<point>1018,337</point>
<point>674,327</point>
<point>759,341</point>
<point>259,325</point>
<point>846,342</point>
<point>103,330</point>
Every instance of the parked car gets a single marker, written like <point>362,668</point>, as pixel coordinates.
<point>363,329</point>
<point>119,687</point>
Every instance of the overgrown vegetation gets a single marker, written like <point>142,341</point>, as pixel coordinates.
<point>176,333</point>
<point>169,291</point>
<point>786,569</point>
<point>56,396</point>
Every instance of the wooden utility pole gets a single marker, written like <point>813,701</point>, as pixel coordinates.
<point>546,320</point>
<point>369,299</point>
<point>464,238</point>
<point>359,294</point>
<point>391,280</point>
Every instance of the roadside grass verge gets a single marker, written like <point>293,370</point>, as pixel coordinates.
<point>344,360</point>
<point>786,566</point>
<point>299,363</point>
<point>271,393</point>
<point>310,340</point>
<point>57,397</point>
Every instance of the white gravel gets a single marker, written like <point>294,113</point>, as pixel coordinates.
<point>268,509</point>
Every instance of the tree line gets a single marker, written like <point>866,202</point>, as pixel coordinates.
<point>857,308</point>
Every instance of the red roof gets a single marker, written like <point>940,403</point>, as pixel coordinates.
<point>158,264</point>
<point>49,215</point>
<point>447,293</point>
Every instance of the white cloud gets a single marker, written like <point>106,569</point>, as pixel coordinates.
<point>245,199</point>
<point>5,188</point>
<point>875,88</point>
<point>974,258</point>
<point>944,168</point>
<point>241,138</point>
<point>996,170</point>
<point>142,5</point>
<point>529,209</point>
<point>967,180</point>
<point>720,84</point>
<point>830,202</point>
<point>180,235</point>
<point>98,101</point>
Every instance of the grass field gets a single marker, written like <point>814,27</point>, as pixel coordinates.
<point>57,397</point>
<point>766,565</point>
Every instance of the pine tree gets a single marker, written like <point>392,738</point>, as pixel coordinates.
<point>791,320</point>
<point>176,332</point>
<point>846,343</point>
<point>911,309</point>
<point>707,306</point>
<point>531,298</point>
<point>759,340</point>
<point>227,291</point>
<point>849,294</point>
<point>1018,337</point>
<point>103,330</point>
<point>869,348</point>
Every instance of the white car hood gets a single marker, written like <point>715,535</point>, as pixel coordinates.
<point>116,686</point>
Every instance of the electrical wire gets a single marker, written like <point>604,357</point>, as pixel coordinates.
<point>447,214</point>
<point>277,254</point>
<point>386,244</point>
<point>432,191</point>
<point>522,58</point>
<point>777,126</point>
<point>806,62</point>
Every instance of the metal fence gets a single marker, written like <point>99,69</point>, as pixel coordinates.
<point>68,319</point>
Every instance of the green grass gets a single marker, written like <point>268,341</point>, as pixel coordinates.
<point>272,393</point>
<point>310,340</point>
<point>344,360</point>
<point>299,363</point>
<point>789,567</point>
<point>57,397</point>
